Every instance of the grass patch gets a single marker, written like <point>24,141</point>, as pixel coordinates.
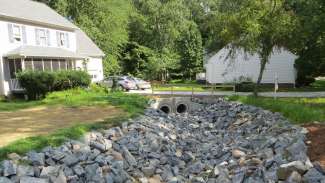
<point>297,110</point>
<point>17,105</point>
<point>190,87</point>
<point>133,105</point>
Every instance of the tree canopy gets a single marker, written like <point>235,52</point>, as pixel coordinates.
<point>160,39</point>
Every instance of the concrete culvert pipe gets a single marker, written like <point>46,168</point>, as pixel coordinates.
<point>181,108</point>
<point>165,109</point>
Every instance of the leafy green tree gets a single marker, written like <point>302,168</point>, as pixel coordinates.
<point>161,26</point>
<point>135,59</point>
<point>191,52</point>
<point>309,42</point>
<point>105,21</point>
<point>256,26</point>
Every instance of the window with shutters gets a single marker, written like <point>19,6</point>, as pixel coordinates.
<point>16,33</point>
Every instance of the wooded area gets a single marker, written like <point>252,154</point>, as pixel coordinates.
<point>162,39</point>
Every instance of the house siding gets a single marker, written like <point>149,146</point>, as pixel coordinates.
<point>223,69</point>
<point>6,45</point>
<point>94,64</point>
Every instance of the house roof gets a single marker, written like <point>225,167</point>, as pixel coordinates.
<point>33,12</point>
<point>43,52</point>
<point>86,47</point>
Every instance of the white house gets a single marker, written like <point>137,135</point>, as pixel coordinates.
<point>33,36</point>
<point>223,68</point>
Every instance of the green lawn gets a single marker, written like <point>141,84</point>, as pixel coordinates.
<point>297,110</point>
<point>180,85</point>
<point>190,87</point>
<point>133,105</point>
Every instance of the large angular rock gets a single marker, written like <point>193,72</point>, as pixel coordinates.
<point>9,168</point>
<point>70,160</point>
<point>294,177</point>
<point>94,173</point>
<point>37,159</point>
<point>24,170</point>
<point>285,170</point>
<point>78,170</point>
<point>148,171</point>
<point>129,158</point>
<point>196,168</point>
<point>313,176</point>
<point>50,171</point>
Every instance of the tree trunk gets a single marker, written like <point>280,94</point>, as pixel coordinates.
<point>264,60</point>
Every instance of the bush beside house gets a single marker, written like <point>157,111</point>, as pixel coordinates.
<point>39,83</point>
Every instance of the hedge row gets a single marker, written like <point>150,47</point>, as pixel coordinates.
<point>38,83</point>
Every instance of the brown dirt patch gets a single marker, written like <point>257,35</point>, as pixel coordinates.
<point>44,120</point>
<point>316,142</point>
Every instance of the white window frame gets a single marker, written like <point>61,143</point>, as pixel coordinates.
<point>42,37</point>
<point>62,39</point>
<point>17,36</point>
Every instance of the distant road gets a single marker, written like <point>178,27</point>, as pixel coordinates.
<point>230,93</point>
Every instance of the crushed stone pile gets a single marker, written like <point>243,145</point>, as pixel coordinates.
<point>224,142</point>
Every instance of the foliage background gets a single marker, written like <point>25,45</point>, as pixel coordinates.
<point>164,39</point>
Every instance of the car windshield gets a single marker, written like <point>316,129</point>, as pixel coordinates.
<point>139,80</point>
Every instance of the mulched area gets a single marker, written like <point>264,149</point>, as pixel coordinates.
<point>316,142</point>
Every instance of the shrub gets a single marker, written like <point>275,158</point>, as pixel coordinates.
<point>36,83</point>
<point>71,79</point>
<point>245,87</point>
<point>39,83</point>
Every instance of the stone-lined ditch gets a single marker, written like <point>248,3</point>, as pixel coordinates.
<point>216,143</point>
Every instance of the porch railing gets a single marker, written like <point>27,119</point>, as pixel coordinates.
<point>15,85</point>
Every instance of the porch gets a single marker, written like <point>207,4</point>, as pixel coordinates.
<point>16,65</point>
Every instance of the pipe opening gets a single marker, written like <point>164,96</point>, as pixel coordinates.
<point>165,109</point>
<point>181,108</point>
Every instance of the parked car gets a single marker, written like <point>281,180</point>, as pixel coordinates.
<point>142,84</point>
<point>123,82</point>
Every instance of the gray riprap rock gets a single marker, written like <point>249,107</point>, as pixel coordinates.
<point>37,159</point>
<point>285,170</point>
<point>196,168</point>
<point>197,180</point>
<point>298,151</point>
<point>221,142</point>
<point>101,160</point>
<point>57,155</point>
<point>313,176</point>
<point>148,171</point>
<point>94,173</point>
<point>70,160</point>
<point>5,180</point>
<point>24,170</point>
<point>102,146</point>
<point>33,180</point>
<point>109,178</point>
<point>295,177</point>
<point>9,168</point>
<point>78,170</point>
<point>50,171</point>
<point>60,178</point>
<point>129,158</point>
